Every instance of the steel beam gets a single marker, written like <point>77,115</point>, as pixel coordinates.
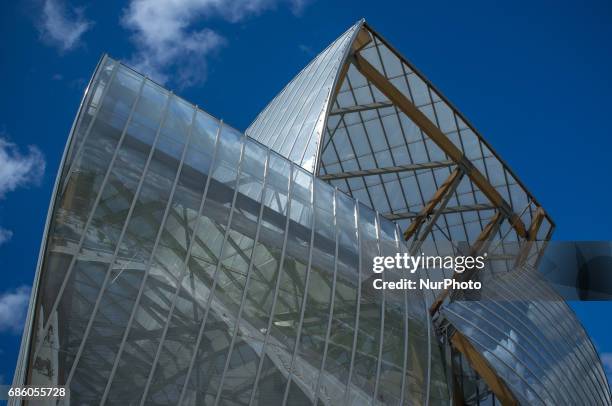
<point>358,108</point>
<point>331,302</point>
<point>276,287</point>
<point>358,310</point>
<point>446,210</point>
<point>388,169</point>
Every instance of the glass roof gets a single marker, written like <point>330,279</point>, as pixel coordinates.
<point>363,132</point>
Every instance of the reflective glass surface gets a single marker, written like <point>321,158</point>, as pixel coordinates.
<point>188,264</point>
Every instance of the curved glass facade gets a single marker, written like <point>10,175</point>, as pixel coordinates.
<point>537,346</point>
<point>184,262</point>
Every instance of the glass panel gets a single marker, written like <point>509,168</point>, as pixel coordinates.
<point>215,253</point>
<point>116,197</point>
<point>240,368</point>
<point>368,338</point>
<point>91,103</point>
<point>392,360</point>
<point>345,304</point>
<point>165,267</point>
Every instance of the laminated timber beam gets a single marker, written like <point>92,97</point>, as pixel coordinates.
<point>340,79</point>
<point>443,191</point>
<point>362,39</point>
<point>388,169</point>
<point>437,136</point>
<point>485,237</point>
<point>479,363</point>
<point>480,245</point>
<point>532,236</point>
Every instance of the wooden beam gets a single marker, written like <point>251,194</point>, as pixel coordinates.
<point>437,136</point>
<point>480,364</point>
<point>485,236</point>
<point>363,38</point>
<point>431,205</point>
<point>480,245</point>
<point>532,235</point>
<point>340,79</point>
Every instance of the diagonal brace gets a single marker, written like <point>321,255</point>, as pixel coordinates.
<point>443,191</point>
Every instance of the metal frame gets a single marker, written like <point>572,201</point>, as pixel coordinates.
<point>457,113</point>
<point>381,336</point>
<point>295,142</point>
<point>183,271</point>
<point>446,210</point>
<point>432,211</point>
<point>248,278</point>
<point>331,301</point>
<point>357,312</point>
<point>406,327</point>
<point>88,221</point>
<point>24,352</point>
<point>337,83</point>
<point>78,152</point>
<point>217,267</point>
<point>435,134</point>
<point>276,286</point>
<point>359,108</point>
<point>119,240</point>
<point>306,288</point>
<point>390,169</point>
<point>151,256</point>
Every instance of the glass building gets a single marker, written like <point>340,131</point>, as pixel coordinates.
<point>184,262</point>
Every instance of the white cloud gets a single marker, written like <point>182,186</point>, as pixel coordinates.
<point>5,235</point>
<point>62,27</point>
<point>168,34</point>
<point>13,309</point>
<point>17,169</point>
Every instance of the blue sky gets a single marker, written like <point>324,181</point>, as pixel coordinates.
<point>532,76</point>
